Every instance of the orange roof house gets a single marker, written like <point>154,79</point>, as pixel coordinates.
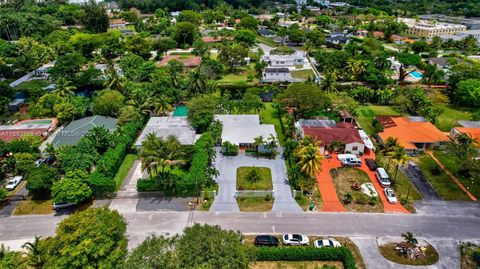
<point>378,34</point>
<point>412,133</point>
<point>473,133</point>
<point>187,60</point>
<point>211,39</point>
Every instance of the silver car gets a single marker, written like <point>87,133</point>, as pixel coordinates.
<point>392,199</point>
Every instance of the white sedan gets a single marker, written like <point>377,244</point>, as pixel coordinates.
<point>13,183</point>
<point>392,199</point>
<point>295,240</point>
<point>329,243</point>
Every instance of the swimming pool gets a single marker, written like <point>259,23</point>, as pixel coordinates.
<point>46,121</point>
<point>416,75</point>
<point>180,111</point>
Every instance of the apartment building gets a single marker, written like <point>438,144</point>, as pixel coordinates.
<point>429,29</point>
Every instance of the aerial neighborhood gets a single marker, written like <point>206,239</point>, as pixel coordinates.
<point>239,134</point>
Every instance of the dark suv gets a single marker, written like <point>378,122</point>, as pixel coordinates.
<point>372,165</point>
<point>266,240</point>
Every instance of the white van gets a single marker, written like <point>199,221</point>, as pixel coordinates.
<point>382,177</point>
<point>352,162</point>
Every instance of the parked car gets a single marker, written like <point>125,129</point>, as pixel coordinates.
<point>322,243</point>
<point>295,240</point>
<point>342,157</point>
<point>382,177</point>
<point>58,206</point>
<point>372,165</point>
<point>38,162</point>
<point>266,240</point>
<point>49,160</point>
<point>13,183</point>
<point>352,162</point>
<point>392,199</point>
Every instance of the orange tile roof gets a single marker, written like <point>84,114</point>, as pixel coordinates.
<point>473,133</point>
<point>409,132</point>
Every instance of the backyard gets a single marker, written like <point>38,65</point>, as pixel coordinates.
<point>241,75</point>
<point>270,116</point>
<point>35,83</point>
<point>440,181</point>
<point>366,113</point>
<point>302,74</point>
<point>354,200</point>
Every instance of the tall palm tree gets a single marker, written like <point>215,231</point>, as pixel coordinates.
<point>328,82</point>
<point>310,159</point>
<point>114,81</point>
<point>64,87</point>
<point>197,82</point>
<point>356,68</point>
<point>158,105</point>
<point>400,159</point>
<point>258,141</point>
<point>158,154</point>
<point>34,253</point>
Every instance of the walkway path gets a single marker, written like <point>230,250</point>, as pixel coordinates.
<point>128,203</point>
<point>227,167</point>
<point>470,195</point>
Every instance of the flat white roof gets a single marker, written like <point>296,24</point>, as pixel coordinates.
<point>366,140</point>
<point>242,129</point>
<point>166,126</point>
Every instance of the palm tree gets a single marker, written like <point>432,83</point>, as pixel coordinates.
<point>113,82</point>
<point>159,105</point>
<point>197,82</point>
<point>310,160</point>
<point>258,141</point>
<point>157,154</point>
<point>328,82</point>
<point>356,68</point>
<point>272,145</point>
<point>400,159</point>
<point>410,238</point>
<point>64,88</point>
<point>34,253</point>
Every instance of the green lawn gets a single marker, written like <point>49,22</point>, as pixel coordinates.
<point>264,184</point>
<point>123,170</point>
<point>239,76</point>
<point>450,116</point>
<point>302,74</point>
<point>270,116</point>
<point>266,40</point>
<point>452,164</point>
<point>439,180</point>
<point>36,83</point>
<point>255,204</point>
<point>366,113</point>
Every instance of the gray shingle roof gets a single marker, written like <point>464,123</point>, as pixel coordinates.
<point>73,132</point>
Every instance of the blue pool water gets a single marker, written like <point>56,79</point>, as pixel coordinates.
<point>416,75</point>
<point>180,111</point>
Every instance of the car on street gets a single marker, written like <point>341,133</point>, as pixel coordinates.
<point>266,240</point>
<point>329,243</point>
<point>372,165</point>
<point>295,240</point>
<point>13,183</point>
<point>57,206</point>
<point>392,199</point>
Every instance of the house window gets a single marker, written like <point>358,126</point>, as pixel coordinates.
<point>355,148</point>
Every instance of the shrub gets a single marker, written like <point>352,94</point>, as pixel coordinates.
<point>3,194</point>
<point>112,159</point>
<point>254,175</point>
<point>348,198</point>
<point>268,197</point>
<point>101,184</point>
<point>229,149</point>
<point>148,185</point>
<point>340,254</point>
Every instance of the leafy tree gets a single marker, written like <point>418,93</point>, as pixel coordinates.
<point>229,149</point>
<point>71,189</point>
<point>129,114</point>
<point>249,23</point>
<point>467,93</point>
<point>3,194</point>
<point>107,102</point>
<point>175,68</point>
<point>93,238</point>
<point>163,44</point>
<point>95,17</point>
<point>201,111</point>
<point>245,36</point>
<point>153,252</point>
<point>32,54</point>
<point>200,48</point>
<point>113,45</point>
<point>138,45</point>
<point>232,55</point>
<point>198,240</point>
<point>197,82</point>
<point>40,180</point>
<point>432,74</point>
<point>462,71</point>
<point>251,102</point>
<point>66,66</point>
<point>185,33</point>
<point>190,16</point>
<point>21,145</point>
<point>100,137</point>
<point>71,108</point>
<point>307,99</point>
<point>23,162</point>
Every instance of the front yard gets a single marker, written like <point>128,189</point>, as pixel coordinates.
<point>255,204</point>
<point>440,181</point>
<point>245,183</point>
<point>354,200</point>
<point>34,207</point>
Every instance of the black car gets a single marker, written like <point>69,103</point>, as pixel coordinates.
<point>372,165</point>
<point>266,240</point>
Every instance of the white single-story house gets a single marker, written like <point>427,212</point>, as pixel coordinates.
<point>276,74</point>
<point>165,126</point>
<point>285,60</point>
<point>242,130</point>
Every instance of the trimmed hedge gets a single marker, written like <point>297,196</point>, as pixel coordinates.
<point>112,159</point>
<point>148,185</point>
<point>101,184</point>
<point>341,254</point>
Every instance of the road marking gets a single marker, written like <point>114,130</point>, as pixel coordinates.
<point>273,229</point>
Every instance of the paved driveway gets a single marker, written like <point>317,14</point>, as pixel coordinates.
<point>415,175</point>
<point>227,167</point>
<point>127,195</point>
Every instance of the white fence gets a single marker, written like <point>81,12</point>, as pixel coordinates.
<point>251,193</point>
